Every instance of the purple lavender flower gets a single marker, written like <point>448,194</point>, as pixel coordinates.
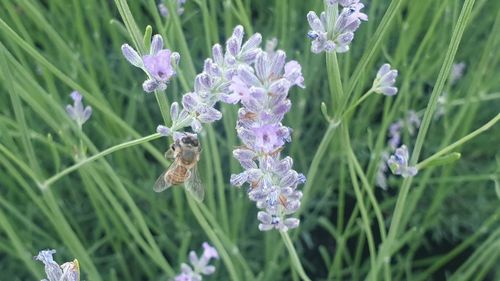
<point>395,134</point>
<point>398,163</point>
<point>338,37</point>
<point>384,82</point>
<point>262,91</point>
<point>411,123</point>
<point>215,83</point>
<point>199,265</point>
<point>162,8</point>
<point>69,271</point>
<point>159,64</point>
<point>76,111</point>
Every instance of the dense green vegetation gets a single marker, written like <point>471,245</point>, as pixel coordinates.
<point>442,224</point>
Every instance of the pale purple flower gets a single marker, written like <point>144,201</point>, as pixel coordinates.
<point>411,123</point>
<point>162,8</point>
<point>272,221</point>
<point>76,111</point>
<point>395,134</point>
<point>199,265</point>
<point>338,37</point>
<point>214,84</point>
<point>385,80</point>
<point>69,271</point>
<point>346,3</point>
<point>262,90</point>
<point>398,163</point>
<point>159,64</point>
<point>318,34</point>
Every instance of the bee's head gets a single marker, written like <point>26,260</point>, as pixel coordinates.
<point>190,139</point>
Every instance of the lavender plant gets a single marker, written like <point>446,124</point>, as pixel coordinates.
<point>76,111</point>
<point>199,265</point>
<point>68,271</point>
<point>335,38</point>
<point>263,92</point>
<point>159,64</point>
<point>80,176</point>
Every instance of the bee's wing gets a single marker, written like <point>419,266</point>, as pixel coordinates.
<point>162,183</point>
<point>194,186</point>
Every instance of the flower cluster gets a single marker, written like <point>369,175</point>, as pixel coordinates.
<point>199,265</point>
<point>213,84</point>
<point>331,32</point>
<point>398,163</point>
<point>411,123</point>
<point>262,91</point>
<point>385,80</point>
<point>76,111</point>
<point>69,271</point>
<point>162,8</point>
<point>159,64</point>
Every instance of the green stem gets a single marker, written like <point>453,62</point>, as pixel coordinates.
<point>461,141</point>
<point>318,156</point>
<point>387,246</point>
<point>162,100</point>
<point>358,102</point>
<point>334,82</point>
<point>293,256</point>
<point>101,154</point>
<point>213,237</point>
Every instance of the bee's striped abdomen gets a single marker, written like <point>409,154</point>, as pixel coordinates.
<point>177,176</point>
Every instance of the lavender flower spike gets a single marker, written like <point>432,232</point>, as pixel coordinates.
<point>69,271</point>
<point>199,265</point>
<point>263,93</point>
<point>162,8</point>
<point>214,84</point>
<point>159,64</point>
<point>331,35</point>
<point>398,163</point>
<point>385,80</point>
<point>76,111</point>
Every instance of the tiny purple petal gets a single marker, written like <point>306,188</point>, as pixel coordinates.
<point>132,56</point>
<point>209,252</point>
<point>163,130</point>
<point>156,44</point>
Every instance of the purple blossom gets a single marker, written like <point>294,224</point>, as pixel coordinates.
<point>215,83</point>
<point>264,99</point>
<point>338,37</point>
<point>411,123</point>
<point>385,80</point>
<point>159,64</point>
<point>199,265</point>
<point>395,134</point>
<point>398,163</point>
<point>76,111</point>
<point>69,271</point>
<point>162,8</point>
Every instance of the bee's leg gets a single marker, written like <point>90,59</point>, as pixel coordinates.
<point>169,154</point>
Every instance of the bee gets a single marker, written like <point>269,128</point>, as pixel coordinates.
<point>185,153</point>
